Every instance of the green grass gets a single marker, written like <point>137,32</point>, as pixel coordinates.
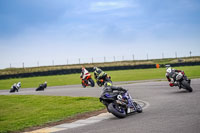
<point>122,75</point>
<point>147,74</point>
<point>35,81</point>
<point>18,111</point>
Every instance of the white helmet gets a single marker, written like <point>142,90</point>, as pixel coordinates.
<point>169,70</point>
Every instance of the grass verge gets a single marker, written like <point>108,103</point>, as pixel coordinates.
<point>148,74</point>
<point>18,111</point>
<point>122,75</point>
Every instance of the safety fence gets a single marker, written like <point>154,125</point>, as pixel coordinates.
<point>110,68</point>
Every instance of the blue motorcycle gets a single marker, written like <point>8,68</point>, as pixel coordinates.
<point>120,103</point>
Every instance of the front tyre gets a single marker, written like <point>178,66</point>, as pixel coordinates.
<point>116,110</point>
<point>139,108</point>
<point>187,85</point>
<point>83,84</point>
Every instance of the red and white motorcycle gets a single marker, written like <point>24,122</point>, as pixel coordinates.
<point>87,80</point>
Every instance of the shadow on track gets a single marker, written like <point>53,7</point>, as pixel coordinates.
<point>181,92</point>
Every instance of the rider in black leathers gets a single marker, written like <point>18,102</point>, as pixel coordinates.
<point>101,75</point>
<point>109,88</point>
<point>171,76</point>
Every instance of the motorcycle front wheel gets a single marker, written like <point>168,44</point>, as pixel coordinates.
<point>139,108</point>
<point>83,85</point>
<point>12,90</point>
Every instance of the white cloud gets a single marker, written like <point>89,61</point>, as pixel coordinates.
<point>106,6</point>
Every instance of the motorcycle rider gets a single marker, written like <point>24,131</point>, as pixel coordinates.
<point>42,86</point>
<point>16,86</point>
<point>171,75</point>
<point>84,73</point>
<point>109,88</point>
<point>99,74</point>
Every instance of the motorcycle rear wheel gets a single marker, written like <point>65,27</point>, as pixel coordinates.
<point>187,85</point>
<point>115,111</point>
<point>91,82</point>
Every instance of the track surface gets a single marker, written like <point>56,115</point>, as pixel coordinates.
<point>171,110</point>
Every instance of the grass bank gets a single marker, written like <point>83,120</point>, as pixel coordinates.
<point>122,75</point>
<point>9,71</point>
<point>18,112</point>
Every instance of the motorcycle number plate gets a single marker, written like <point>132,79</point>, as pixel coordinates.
<point>130,110</point>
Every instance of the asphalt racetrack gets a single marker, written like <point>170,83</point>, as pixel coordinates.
<point>170,110</point>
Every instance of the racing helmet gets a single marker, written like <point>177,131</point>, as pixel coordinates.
<point>169,70</point>
<point>107,84</point>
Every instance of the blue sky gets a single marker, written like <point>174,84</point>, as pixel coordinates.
<point>44,31</point>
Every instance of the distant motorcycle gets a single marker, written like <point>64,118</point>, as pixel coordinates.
<point>120,103</point>
<point>15,87</point>
<point>41,87</point>
<point>178,78</point>
<point>87,81</point>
